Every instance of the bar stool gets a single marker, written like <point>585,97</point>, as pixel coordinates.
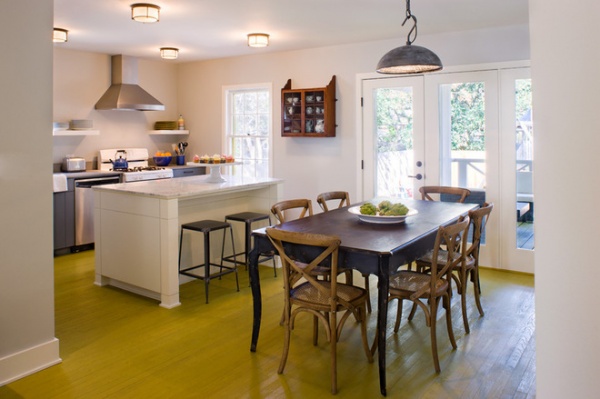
<point>248,218</point>
<point>205,227</point>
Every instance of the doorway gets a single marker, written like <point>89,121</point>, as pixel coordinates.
<point>447,129</point>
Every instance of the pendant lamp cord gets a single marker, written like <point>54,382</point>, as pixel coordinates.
<point>414,28</point>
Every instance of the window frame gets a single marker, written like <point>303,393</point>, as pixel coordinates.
<point>227,137</point>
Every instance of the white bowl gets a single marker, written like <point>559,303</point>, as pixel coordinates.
<point>377,219</point>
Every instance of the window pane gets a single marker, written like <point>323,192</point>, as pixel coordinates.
<point>249,130</point>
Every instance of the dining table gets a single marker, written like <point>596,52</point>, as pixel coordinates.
<point>370,247</point>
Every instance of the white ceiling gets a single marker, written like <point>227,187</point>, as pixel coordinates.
<point>208,29</point>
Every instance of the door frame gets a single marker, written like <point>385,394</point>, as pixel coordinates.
<point>494,258</point>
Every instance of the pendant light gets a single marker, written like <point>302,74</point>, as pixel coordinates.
<point>409,58</point>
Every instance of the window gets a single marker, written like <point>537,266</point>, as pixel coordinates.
<point>248,129</point>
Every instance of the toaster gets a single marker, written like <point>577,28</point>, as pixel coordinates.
<point>73,164</point>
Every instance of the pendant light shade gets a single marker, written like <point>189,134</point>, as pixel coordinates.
<point>409,58</point>
<point>60,35</point>
<point>144,12</point>
<point>169,53</point>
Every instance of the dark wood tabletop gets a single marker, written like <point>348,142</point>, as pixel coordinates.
<point>377,249</point>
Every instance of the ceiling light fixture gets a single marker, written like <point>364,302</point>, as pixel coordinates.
<point>60,35</point>
<point>144,12</point>
<point>258,40</point>
<point>169,53</point>
<point>409,59</point>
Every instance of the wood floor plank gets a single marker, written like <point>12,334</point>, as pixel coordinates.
<point>115,344</point>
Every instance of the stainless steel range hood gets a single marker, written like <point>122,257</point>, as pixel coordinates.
<point>124,92</point>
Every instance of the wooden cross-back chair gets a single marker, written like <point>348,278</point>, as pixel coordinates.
<point>460,193</point>
<point>342,198</point>
<point>426,290</point>
<point>323,299</point>
<point>468,270</point>
<point>301,205</point>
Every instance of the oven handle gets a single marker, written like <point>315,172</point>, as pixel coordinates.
<point>88,183</point>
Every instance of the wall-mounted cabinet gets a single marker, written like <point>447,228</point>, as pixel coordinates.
<point>308,112</point>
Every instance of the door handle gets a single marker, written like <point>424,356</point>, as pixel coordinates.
<point>418,176</point>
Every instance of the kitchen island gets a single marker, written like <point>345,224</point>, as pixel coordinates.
<point>136,227</point>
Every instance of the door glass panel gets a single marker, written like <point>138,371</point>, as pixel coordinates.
<point>393,141</point>
<point>524,164</point>
<point>462,135</point>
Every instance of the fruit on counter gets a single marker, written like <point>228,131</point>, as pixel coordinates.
<point>162,154</point>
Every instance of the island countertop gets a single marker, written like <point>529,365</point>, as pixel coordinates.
<point>188,187</point>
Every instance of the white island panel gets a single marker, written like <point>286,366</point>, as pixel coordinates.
<point>137,228</point>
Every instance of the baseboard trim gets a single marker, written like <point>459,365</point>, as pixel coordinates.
<point>29,361</point>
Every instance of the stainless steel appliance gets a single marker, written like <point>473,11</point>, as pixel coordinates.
<point>73,164</point>
<point>137,165</point>
<point>84,207</point>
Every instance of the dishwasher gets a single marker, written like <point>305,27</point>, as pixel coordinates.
<point>84,207</point>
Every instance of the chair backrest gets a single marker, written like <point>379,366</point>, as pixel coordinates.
<point>303,207</point>
<point>426,192</point>
<point>342,196</point>
<point>449,236</point>
<point>479,218</point>
<point>320,249</point>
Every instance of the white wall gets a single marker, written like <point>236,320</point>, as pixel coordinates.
<point>81,78</point>
<point>27,340</point>
<point>313,165</point>
<point>565,60</point>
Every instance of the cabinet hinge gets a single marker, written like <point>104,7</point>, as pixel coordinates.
<point>361,101</point>
<point>362,164</point>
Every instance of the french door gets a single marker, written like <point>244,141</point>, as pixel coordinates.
<point>444,129</point>
<point>393,137</point>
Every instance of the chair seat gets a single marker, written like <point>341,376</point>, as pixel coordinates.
<point>247,216</point>
<point>306,293</point>
<point>427,259</point>
<point>205,226</point>
<point>405,283</point>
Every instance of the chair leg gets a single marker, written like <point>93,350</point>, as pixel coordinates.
<point>398,315</point>
<point>286,342</point>
<point>206,263</point>
<point>366,276</point>
<point>363,332</point>
<point>433,332</point>
<point>449,322</point>
<point>477,290</point>
<point>315,330</point>
<point>333,350</point>
<point>463,299</point>
<point>413,310</point>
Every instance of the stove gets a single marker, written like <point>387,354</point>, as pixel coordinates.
<point>137,165</point>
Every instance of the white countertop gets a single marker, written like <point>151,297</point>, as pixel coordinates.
<point>188,187</point>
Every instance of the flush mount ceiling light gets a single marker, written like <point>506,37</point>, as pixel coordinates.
<point>60,35</point>
<point>258,40</point>
<point>409,59</point>
<point>144,12</point>
<point>169,53</point>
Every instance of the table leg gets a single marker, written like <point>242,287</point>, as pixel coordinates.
<point>256,296</point>
<point>382,310</point>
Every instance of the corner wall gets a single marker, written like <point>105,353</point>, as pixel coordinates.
<point>27,341</point>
